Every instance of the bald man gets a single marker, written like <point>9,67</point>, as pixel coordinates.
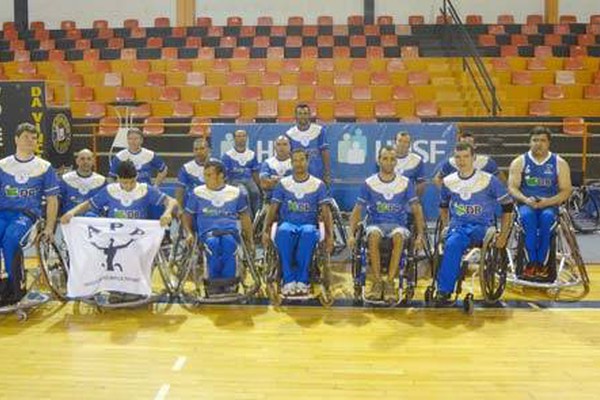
<point>80,185</point>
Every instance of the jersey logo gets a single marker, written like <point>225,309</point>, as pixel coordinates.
<point>466,209</point>
<point>21,177</point>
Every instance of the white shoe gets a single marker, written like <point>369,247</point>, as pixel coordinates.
<point>289,289</point>
<point>302,289</point>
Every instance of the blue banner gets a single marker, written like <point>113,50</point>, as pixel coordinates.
<point>353,149</point>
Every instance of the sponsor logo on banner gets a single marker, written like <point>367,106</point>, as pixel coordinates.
<point>61,133</point>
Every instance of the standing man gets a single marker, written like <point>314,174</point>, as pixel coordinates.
<point>24,180</point>
<point>82,184</point>
<point>409,164</point>
<point>469,199</point>
<point>191,173</point>
<point>242,168</point>
<point>540,181</point>
<point>311,138</point>
<point>298,201</point>
<point>387,197</point>
<point>276,167</point>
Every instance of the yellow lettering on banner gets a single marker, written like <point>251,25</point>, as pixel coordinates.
<point>36,91</point>
<point>36,102</point>
<point>37,117</point>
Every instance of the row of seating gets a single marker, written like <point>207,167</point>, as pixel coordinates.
<point>165,22</point>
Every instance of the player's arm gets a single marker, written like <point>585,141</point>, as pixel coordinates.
<point>326,157</point>
<point>246,224</point>
<point>354,220</point>
<point>269,220</point>
<point>514,182</point>
<point>325,210</point>
<point>81,208</point>
<point>160,177</point>
<point>51,213</point>
<point>564,186</point>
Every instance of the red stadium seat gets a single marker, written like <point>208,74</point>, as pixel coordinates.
<point>235,21</point>
<point>355,20</point>
<point>21,56</point>
<point>229,109</point>
<point>409,52</point>
<point>553,92</point>
<point>169,93</point>
<point>573,64</point>
<point>154,42</point>
<point>270,78</point>
<point>241,52</point>
<point>487,40</point>
<point>591,92</point>
<point>83,94</point>
<point>523,78</point>
<point>542,51</point>
<point>131,23</point>
<point>342,78</point>
<point>142,111</point>
<point>324,20</point>
<point>68,25</point>
<point>200,126</point>
<point>535,64</point>
<point>162,22</point>
<point>228,42</point>
<point>496,30</point>
<point>211,93</point>
<point>83,44</point>
<point>183,109</point>
<point>586,40</point>
<point>324,93</point>
<point>37,25</point>
<point>308,78</point>
<point>100,24</point>
<point>181,66</point>
<point>48,44</point>
<point>416,20</point>
<point>385,109</point>
<point>287,92</point>
<point>474,20</point>
<point>381,78</point>
<point>267,109</point>
<point>535,19</point>
<point>128,54</point>
<point>76,80</point>
<point>236,79</point>
<point>141,67</point>
<point>574,126</point>
<point>395,65</point>
<point>519,40</point>
<point>125,94</point>
<point>196,42</point>
<point>295,21</point>
<point>344,109</point>
<point>154,126</point>
<point>418,78</point>
<point>385,20</point>
<point>108,126</point>
<point>116,43</point>
<point>402,93</point>
<point>553,40</point>
<point>529,29</point>
<point>426,109</point>
<point>264,21</point>
<point>156,79</point>
<point>95,110</point>
<point>506,19</point>
<point>509,51</point>
<point>500,64</point>
<point>56,55</point>
<point>195,79</point>
<point>568,19</point>
<point>251,93</point>
<point>361,93</point>
<point>539,109</point>
<point>204,21</point>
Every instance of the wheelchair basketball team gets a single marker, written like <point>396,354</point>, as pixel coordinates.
<point>289,197</point>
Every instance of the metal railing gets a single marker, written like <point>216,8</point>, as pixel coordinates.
<point>472,62</point>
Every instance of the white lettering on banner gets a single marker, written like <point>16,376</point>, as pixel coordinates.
<point>428,149</point>
<point>262,153</point>
<point>111,255</point>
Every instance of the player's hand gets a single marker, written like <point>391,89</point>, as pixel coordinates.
<point>47,235</point>
<point>165,220</point>
<point>419,243</point>
<point>531,202</point>
<point>542,203</point>
<point>66,218</point>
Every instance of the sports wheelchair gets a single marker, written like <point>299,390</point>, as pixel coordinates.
<point>583,206</point>
<point>407,272</point>
<point>319,273</point>
<point>32,288</point>
<point>491,269</point>
<point>189,269</point>
<point>568,275</point>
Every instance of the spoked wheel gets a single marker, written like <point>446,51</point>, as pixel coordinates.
<point>54,266</point>
<point>492,272</point>
<point>325,297</point>
<point>469,304</point>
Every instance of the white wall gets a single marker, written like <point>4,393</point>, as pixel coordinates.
<point>6,10</point>
<point>280,10</point>
<point>84,12</point>
<point>582,8</point>
<point>400,10</point>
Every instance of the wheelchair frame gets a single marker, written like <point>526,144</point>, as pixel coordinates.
<point>570,268</point>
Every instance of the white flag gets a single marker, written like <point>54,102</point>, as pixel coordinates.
<point>111,255</point>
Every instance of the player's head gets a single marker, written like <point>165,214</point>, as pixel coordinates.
<point>135,139</point>
<point>214,174</point>
<point>402,143</point>
<point>299,161</point>
<point>240,139</point>
<point>386,158</point>
<point>282,147</point>
<point>201,148</point>
<point>467,137</point>
<point>539,140</point>
<point>26,138</point>
<point>85,161</point>
<point>127,175</point>
<point>464,154</point>
<point>303,115</point>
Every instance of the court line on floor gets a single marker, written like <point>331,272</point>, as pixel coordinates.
<point>162,392</point>
<point>179,363</point>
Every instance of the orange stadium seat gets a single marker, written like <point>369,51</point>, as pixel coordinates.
<point>154,126</point>
<point>108,126</point>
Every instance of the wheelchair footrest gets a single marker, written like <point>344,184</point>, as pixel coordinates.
<point>218,286</point>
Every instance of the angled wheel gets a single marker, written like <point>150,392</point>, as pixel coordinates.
<point>492,271</point>
<point>54,266</point>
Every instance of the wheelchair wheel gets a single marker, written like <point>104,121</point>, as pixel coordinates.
<point>469,304</point>
<point>576,270</point>
<point>584,211</point>
<point>53,263</point>
<point>272,276</point>
<point>258,224</point>
<point>339,231</point>
<point>325,280</point>
<point>492,271</point>
<point>429,296</point>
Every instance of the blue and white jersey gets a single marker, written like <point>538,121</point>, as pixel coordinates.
<point>312,140</point>
<point>386,202</point>
<point>127,205</point>
<point>190,175</point>
<point>412,167</point>
<point>473,200</point>
<point>481,162</point>
<point>216,209</point>
<point>75,189</point>
<point>240,166</point>
<point>273,167</point>
<point>24,183</point>
<point>299,201</point>
<point>145,161</point>
<point>539,179</point>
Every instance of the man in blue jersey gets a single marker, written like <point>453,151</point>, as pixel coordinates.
<point>24,180</point>
<point>146,162</point>
<point>481,162</point>
<point>127,199</point>
<point>386,196</point>
<point>409,164</point>
<point>242,168</point>
<point>82,184</point>
<point>217,209</point>
<point>469,198</point>
<point>297,202</point>
<point>191,173</point>
<point>311,137</point>
<point>539,181</point>
<point>276,167</point>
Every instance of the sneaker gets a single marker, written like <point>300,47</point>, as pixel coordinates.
<point>529,271</point>
<point>443,299</point>
<point>302,289</point>
<point>289,289</point>
<point>376,291</point>
<point>543,273</point>
<point>390,294</point>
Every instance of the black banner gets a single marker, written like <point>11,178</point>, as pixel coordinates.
<point>26,102</point>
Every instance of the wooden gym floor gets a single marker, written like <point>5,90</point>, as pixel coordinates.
<point>532,348</point>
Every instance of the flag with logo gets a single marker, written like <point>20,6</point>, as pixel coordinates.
<point>111,255</point>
